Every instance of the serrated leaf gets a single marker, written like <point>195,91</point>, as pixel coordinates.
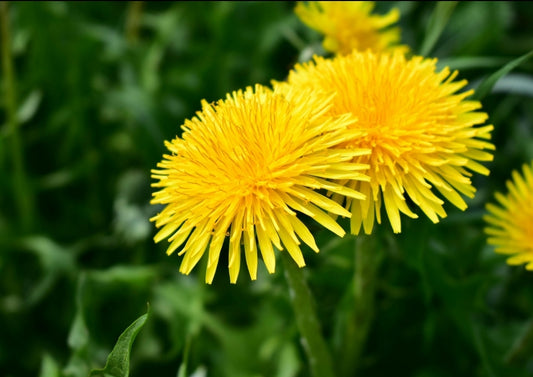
<point>437,22</point>
<point>486,86</point>
<point>118,361</point>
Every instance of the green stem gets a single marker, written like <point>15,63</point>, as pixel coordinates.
<point>21,189</point>
<point>133,20</point>
<point>359,303</point>
<point>182,371</point>
<point>306,320</point>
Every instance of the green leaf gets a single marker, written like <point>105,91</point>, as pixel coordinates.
<point>29,107</point>
<point>462,63</point>
<point>486,86</point>
<point>78,337</point>
<point>437,22</point>
<point>54,259</point>
<point>289,362</point>
<point>118,361</point>
<point>515,83</point>
<point>130,275</point>
<point>49,367</point>
<point>53,256</point>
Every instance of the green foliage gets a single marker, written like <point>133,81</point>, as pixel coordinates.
<point>437,23</point>
<point>118,362</point>
<point>485,87</point>
<point>99,86</point>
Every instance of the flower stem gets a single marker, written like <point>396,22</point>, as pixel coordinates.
<point>360,302</point>
<point>306,320</point>
<point>133,21</point>
<point>23,198</point>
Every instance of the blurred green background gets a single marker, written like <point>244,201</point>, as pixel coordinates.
<point>96,89</point>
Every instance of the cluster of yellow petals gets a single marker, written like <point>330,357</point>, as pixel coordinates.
<point>350,25</point>
<point>242,170</point>
<point>424,135</point>
<point>510,223</point>
<point>348,136</point>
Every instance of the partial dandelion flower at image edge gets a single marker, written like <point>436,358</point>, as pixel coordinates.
<point>243,169</point>
<point>510,221</point>
<point>351,25</point>
<point>427,139</point>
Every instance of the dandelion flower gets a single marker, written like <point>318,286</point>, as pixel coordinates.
<point>349,25</point>
<point>243,169</point>
<point>422,133</point>
<point>510,224</point>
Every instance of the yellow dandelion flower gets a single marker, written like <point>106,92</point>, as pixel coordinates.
<point>421,131</point>
<point>510,224</point>
<point>243,168</point>
<point>349,25</point>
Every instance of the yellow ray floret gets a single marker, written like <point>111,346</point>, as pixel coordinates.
<point>510,222</point>
<point>350,25</point>
<point>243,170</point>
<point>426,138</point>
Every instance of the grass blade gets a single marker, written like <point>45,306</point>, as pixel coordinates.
<point>437,22</point>
<point>486,86</point>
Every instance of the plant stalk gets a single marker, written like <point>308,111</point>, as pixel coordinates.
<point>21,189</point>
<point>133,21</point>
<point>360,302</point>
<point>303,304</point>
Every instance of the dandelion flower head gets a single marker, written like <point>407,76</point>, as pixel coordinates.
<point>243,169</point>
<point>510,222</point>
<point>423,134</point>
<point>349,25</point>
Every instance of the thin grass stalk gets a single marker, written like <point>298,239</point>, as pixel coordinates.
<point>20,185</point>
